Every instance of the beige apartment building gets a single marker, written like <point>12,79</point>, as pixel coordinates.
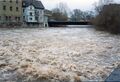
<point>10,11</point>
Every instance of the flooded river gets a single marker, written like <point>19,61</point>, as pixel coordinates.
<point>57,54</point>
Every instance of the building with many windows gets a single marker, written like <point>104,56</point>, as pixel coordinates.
<point>33,12</point>
<point>10,11</point>
<point>23,12</point>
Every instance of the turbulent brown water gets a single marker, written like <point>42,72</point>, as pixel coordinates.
<point>57,54</point>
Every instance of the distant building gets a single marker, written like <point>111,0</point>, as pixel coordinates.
<point>33,12</point>
<point>47,14</point>
<point>23,12</point>
<point>10,11</point>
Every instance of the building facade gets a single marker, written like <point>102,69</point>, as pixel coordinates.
<point>47,14</point>
<point>10,11</point>
<point>33,12</point>
<point>24,12</point>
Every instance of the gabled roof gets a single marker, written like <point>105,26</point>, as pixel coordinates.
<point>37,4</point>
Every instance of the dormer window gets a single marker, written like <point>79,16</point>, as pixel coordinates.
<point>31,7</point>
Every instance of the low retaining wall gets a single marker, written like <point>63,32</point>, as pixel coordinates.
<point>21,25</point>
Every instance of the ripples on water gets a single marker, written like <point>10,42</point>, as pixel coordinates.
<point>80,52</point>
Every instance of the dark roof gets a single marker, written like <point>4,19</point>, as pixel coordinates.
<point>37,4</point>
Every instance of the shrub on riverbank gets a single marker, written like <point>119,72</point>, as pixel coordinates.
<point>108,19</point>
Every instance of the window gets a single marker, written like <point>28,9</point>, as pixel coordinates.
<point>10,8</point>
<point>36,18</point>
<point>4,0</point>
<point>17,9</point>
<point>4,7</point>
<point>31,7</point>
<point>16,1</point>
<point>18,18</point>
<point>23,17</point>
<point>30,18</point>
<point>9,17</point>
<point>23,10</point>
<point>6,18</point>
<point>10,1</point>
<point>31,14</point>
<point>24,4</point>
<point>0,17</point>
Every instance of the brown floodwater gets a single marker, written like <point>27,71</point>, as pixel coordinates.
<point>57,54</point>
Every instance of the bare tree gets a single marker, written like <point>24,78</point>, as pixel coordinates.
<point>78,15</point>
<point>104,2</point>
<point>108,18</point>
<point>100,4</point>
<point>60,13</point>
<point>88,15</point>
<point>63,7</point>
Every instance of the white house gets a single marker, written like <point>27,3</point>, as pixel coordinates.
<point>33,12</point>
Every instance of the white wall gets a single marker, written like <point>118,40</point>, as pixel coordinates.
<point>27,15</point>
<point>31,9</point>
<point>41,15</point>
<point>45,21</point>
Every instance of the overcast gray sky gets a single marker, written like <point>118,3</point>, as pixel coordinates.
<point>72,4</point>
